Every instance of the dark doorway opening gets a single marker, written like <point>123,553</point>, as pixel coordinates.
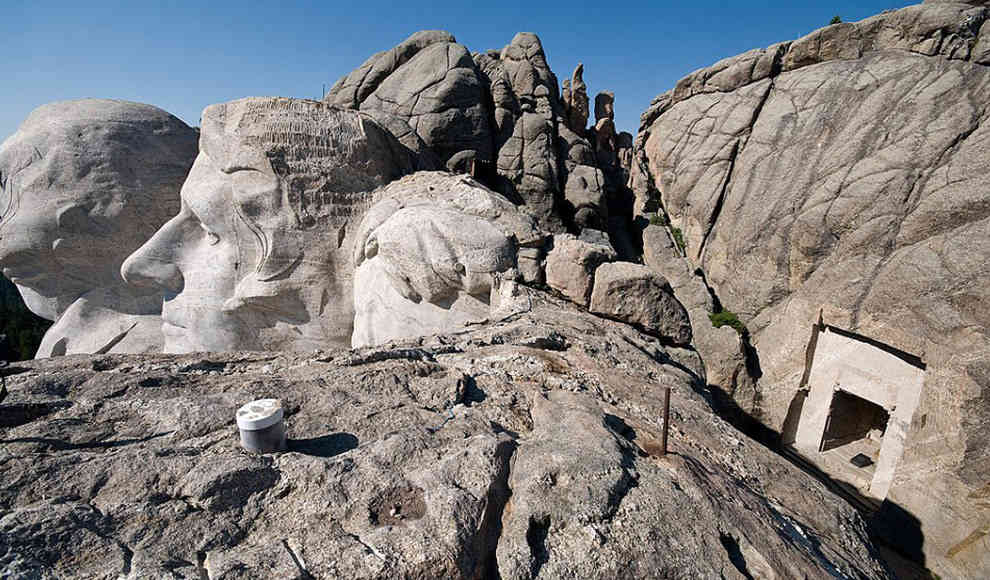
<point>851,419</point>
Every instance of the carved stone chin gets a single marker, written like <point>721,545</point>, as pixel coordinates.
<point>258,257</point>
<point>82,185</point>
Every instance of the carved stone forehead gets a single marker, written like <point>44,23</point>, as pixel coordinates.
<point>294,137</point>
<point>100,140</point>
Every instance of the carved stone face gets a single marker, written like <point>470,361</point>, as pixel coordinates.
<point>82,184</point>
<point>257,259</point>
<point>427,270</point>
<point>198,258</point>
<point>427,255</point>
<point>33,227</point>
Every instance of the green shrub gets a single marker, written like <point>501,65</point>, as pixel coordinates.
<point>658,220</point>
<point>727,318</point>
<point>678,238</point>
<point>836,20</point>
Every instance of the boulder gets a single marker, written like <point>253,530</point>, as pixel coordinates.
<point>637,295</point>
<point>400,463</point>
<point>571,266</point>
<point>596,237</point>
<point>835,184</point>
<point>427,91</point>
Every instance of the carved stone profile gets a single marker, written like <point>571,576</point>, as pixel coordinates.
<point>428,256</point>
<point>82,185</point>
<point>258,256</point>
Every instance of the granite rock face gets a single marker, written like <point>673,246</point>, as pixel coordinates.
<point>722,350</point>
<point>502,118</point>
<point>526,109</point>
<point>82,185</point>
<point>427,91</point>
<point>571,266</point>
<point>840,181</point>
<point>400,464</point>
<point>575,96</point>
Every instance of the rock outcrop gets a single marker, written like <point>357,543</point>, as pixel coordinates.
<point>722,349</point>
<point>838,182</point>
<point>575,95</point>
<point>526,107</point>
<point>502,118</point>
<point>525,449</point>
<point>427,91</point>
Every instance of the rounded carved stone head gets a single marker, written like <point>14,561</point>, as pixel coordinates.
<point>257,257</point>
<point>427,254</point>
<point>82,185</point>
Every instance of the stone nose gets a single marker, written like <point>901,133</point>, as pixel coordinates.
<point>145,269</point>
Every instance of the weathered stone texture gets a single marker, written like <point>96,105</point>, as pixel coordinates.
<point>850,181</point>
<point>525,96</point>
<point>429,254</point>
<point>400,463</point>
<point>721,349</point>
<point>571,266</point>
<point>575,96</point>
<point>425,90</point>
<point>262,261</point>
<point>82,185</point>
<point>637,295</point>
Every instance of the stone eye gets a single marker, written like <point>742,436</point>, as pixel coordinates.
<point>211,238</point>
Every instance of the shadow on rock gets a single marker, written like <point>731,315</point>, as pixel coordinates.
<point>325,445</point>
<point>18,414</point>
<point>59,445</point>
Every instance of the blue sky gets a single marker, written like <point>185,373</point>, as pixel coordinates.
<point>183,56</point>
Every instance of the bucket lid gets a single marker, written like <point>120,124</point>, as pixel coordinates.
<point>259,414</point>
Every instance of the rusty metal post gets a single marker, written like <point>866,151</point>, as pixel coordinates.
<point>666,421</point>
